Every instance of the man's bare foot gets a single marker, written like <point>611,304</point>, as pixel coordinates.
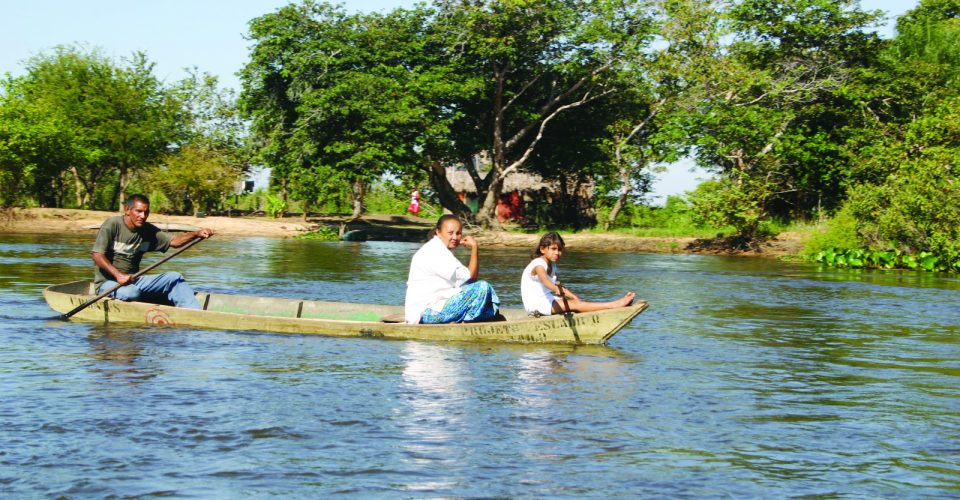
<point>626,300</point>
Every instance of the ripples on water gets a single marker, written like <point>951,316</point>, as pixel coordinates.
<point>745,378</point>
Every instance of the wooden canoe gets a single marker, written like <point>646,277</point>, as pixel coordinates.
<point>340,319</point>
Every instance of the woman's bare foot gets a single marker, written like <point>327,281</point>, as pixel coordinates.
<point>626,300</point>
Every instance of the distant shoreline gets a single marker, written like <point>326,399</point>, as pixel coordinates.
<point>61,220</point>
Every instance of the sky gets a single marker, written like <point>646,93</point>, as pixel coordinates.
<point>209,35</point>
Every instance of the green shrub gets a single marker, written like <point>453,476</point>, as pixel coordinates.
<point>275,206</point>
<point>913,212</point>
<point>249,201</point>
<point>883,259</point>
<point>839,233</point>
<point>159,203</point>
<point>723,202</point>
<point>675,218</point>
<point>387,197</point>
<point>324,233</point>
<point>916,208</point>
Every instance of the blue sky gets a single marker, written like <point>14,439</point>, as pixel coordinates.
<point>207,34</point>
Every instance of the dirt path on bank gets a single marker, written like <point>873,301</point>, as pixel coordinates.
<point>55,220</point>
<point>60,220</point>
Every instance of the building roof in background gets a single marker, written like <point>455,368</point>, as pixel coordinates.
<point>517,181</point>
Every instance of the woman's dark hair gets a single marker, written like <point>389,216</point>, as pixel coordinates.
<point>551,238</point>
<point>445,218</point>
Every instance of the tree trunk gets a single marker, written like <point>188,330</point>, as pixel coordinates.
<point>306,208</point>
<point>80,186</point>
<point>622,199</point>
<point>60,189</point>
<point>487,211</point>
<point>567,208</point>
<point>120,189</point>
<point>481,183</point>
<point>358,192</point>
<point>77,186</point>
<point>502,166</point>
<point>625,187</point>
<point>586,212</point>
<point>448,197</point>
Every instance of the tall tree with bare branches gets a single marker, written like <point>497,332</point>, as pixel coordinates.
<point>530,63</point>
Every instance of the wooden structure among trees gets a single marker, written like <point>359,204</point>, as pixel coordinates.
<point>528,198</point>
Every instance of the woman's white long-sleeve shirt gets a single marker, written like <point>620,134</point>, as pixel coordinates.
<point>435,276</point>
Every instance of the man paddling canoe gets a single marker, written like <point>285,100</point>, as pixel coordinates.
<point>121,242</point>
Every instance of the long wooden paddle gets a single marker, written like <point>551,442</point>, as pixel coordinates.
<point>568,314</point>
<point>135,276</point>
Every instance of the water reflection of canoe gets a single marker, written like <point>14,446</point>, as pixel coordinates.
<point>341,319</point>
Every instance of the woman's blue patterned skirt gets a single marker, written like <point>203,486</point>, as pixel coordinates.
<point>476,301</point>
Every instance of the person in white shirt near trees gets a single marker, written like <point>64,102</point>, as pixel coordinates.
<point>440,289</point>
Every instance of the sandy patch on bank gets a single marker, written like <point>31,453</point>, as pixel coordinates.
<point>58,220</point>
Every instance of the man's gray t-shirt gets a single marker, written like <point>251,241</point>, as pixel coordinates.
<point>125,247</point>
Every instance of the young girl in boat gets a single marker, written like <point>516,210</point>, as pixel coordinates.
<point>542,295</point>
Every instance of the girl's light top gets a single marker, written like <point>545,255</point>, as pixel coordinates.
<point>536,296</point>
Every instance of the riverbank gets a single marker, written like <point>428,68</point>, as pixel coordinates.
<point>57,220</point>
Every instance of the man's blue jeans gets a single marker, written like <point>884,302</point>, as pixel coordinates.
<point>156,288</point>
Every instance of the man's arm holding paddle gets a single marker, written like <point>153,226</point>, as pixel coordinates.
<point>184,238</point>
<point>108,269</point>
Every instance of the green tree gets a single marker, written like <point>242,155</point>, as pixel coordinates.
<point>917,207</point>
<point>417,89</point>
<point>768,106</point>
<point>531,63</point>
<point>336,97</point>
<point>210,133</point>
<point>907,195</point>
<point>195,177</point>
<point>661,86</point>
<point>209,114</point>
<point>34,147</point>
<point>77,113</point>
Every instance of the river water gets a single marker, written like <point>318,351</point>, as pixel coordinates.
<point>745,378</point>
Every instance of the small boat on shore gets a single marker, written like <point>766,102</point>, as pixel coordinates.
<point>340,319</point>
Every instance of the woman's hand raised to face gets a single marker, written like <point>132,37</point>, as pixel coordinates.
<point>469,242</point>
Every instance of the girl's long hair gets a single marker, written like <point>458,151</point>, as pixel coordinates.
<point>551,238</point>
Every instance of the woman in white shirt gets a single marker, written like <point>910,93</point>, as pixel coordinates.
<point>440,289</point>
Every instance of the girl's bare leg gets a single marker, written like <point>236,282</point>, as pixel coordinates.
<point>584,306</point>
